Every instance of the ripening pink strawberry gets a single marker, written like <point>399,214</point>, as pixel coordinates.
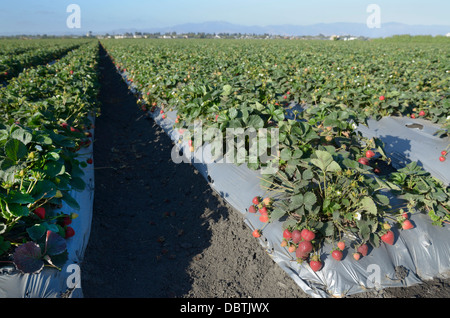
<point>363,249</point>
<point>256,233</point>
<point>407,225</point>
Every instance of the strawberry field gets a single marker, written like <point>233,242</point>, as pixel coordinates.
<point>326,204</point>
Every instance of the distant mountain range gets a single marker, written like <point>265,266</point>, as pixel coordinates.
<point>328,29</point>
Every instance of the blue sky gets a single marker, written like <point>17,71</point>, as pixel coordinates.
<point>49,16</point>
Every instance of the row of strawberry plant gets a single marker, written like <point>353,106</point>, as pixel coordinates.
<point>15,57</point>
<point>330,180</point>
<point>45,120</point>
<point>377,79</point>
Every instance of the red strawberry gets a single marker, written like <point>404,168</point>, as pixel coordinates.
<point>303,249</point>
<point>369,154</point>
<point>381,97</point>
<point>256,233</point>
<point>421,113</point>
<point>356,256</point>
<point>413,116</point>
<point>40,212</point>
<point>341,245</point>
<point>407,225</point>
<point>443,152</point>
<point>164,116</point>
<point>296,236</point>
<point>308,235</point>
<point>69,232</point>
<point>287,234</point>
<point>263,210</point>
<point>442,158</point>
<point>388,237</point>
<point>66,220</point>
<point>89,160</point>
<point>363,161</point>
<point>252,209</point>
<point>256,200</point>
<point>264,218</point>
<point>405,215</point>
<point>337,255</point>
<point>363,249</point>
<point>315,263</point>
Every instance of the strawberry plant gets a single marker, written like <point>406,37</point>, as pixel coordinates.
<point>422,192</point>
<point>330,179</point>
<point>44,115</point>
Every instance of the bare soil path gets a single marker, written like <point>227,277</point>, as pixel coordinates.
<point>160,231</point>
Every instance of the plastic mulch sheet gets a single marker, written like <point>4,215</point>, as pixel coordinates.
<point>417,255</point>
